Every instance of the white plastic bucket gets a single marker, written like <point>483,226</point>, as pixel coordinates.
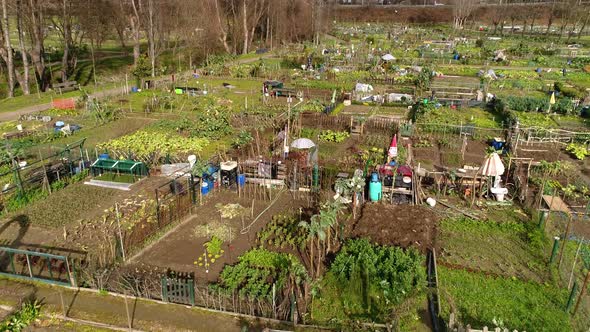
<point>19,127</point>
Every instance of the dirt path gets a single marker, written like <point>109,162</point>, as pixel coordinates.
<point>9,116</point>
<point>14,115</point>
<point>110,309</point>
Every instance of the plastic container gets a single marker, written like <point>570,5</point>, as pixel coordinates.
<point>241,180</point>
<point>375,191</point>
<point>431,201</point>
<point>103,156</point>
<point>134,89</point>
<point>205,188</point>
<point>374,177</point>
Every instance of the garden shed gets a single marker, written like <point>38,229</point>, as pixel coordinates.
<point>118,170</point>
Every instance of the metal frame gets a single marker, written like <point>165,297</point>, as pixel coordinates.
<point>48,257</point>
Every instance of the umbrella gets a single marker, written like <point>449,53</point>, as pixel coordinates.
<point>302,143</point>
<point>387,57</point>
<point>492,166</point>
<point>552,99</point>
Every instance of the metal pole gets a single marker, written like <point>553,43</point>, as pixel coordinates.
<point>542,219</point>
<point>120,234</point>
<point>570,299</point>
<point>554,250</point>
<point>584,285</point>
<point>567,231</point>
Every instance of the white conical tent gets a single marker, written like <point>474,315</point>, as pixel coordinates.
<point>492,166</point>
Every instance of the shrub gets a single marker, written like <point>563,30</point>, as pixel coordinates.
<point>579,151</point>
<point>373,279</point>
<point>334,136</point>
<point>258,269</point>
<point>214,246</point>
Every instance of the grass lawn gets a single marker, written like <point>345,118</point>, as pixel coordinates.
<point>499,248</point>
<point>76,201</point>
<point>480,117</point>
<point>95,135</point>
<point>478,300</point>
<point>328,308</point>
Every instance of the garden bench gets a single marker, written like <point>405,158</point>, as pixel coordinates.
<point>66,86</point>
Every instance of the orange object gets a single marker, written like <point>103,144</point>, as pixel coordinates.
<point>64,104</point>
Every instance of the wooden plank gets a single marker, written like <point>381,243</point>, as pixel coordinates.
<point>555,203</point>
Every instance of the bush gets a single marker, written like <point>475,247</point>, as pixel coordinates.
<point>372,279</point>
<point>570,92</point>
<point>527,104</point>
<point>334,136</point>
<point>579,151</point>
<point>258,269</point>
<point>18,321</point>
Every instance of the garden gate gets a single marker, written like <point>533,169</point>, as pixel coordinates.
<point>37,266</point>
<point>178,290</point>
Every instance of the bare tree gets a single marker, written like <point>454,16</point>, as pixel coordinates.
<point>36,30</point>
<point>134,18</point>
<point>462,9</point>
<point>7,50</point>
<point>23,51</point>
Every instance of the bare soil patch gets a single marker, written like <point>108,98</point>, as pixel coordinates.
<point>398,225</point>
<point>179,250</point>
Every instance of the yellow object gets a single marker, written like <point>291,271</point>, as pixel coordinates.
<point>552,100</point>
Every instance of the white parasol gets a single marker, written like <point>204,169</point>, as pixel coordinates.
<point>388,57</point>
<point>302,143</point>
<point>492,166</point>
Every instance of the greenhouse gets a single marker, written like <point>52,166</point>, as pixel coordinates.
<point>127,171</point>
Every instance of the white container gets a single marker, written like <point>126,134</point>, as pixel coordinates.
<point>19,127</point>
<point>431,201</point>
<point>499,193</point>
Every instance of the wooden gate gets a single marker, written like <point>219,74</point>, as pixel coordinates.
<point>178,290</point>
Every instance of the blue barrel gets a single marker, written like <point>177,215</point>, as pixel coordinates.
<point>241,180</point>
<point>103,156</point>
<point>133,89</point>
<point>211,184</point>
<point>375,191</point>
<point>205,188</point>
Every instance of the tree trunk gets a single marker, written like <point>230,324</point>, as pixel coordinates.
<point>8,46</point>
<point>38,49</point>
<point>65,63</point>
<point>151,37</point>
<point>584,25</point>
<point>222,30</point>
<point>21,40</point>
<point>245,27</point>
<point>134,22</point>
